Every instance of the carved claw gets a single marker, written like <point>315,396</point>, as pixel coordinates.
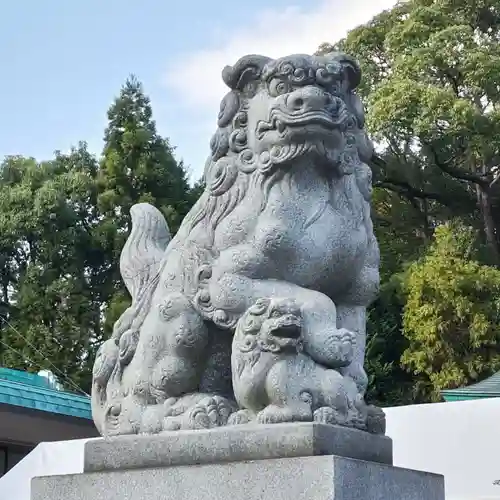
<point>274,414</point>
<point>327,415</point>
<point>209,412</point>
<point>241,417</point>
<point>376,420</point>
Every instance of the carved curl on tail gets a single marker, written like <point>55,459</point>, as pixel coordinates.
<point>143,251</point>
<point>140,264</point>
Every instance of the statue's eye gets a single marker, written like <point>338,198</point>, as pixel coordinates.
<point>278,87</point>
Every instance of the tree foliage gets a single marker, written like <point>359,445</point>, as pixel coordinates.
<point>431,83</point>
<point>137,165</point>
<point>63,223</point>
<point>49,258</point>
<point>432,89</point>
<point>452,312</point>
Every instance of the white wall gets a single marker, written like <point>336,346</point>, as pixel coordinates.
<point>459,440</point>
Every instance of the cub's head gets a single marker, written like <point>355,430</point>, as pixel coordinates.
<point>270,325</point>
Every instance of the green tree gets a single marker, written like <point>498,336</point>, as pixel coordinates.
<point>49,258</point>
<point>400,228</point>
<point>432,80</point>
<point>389,384</point>
<point>452,313</point>
<point>63,224</point>
<point>138,165</point>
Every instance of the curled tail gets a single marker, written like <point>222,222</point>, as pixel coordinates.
<point>144,249</point>
<point>140,266</point>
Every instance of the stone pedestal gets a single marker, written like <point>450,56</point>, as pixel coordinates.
<point>301,461</point>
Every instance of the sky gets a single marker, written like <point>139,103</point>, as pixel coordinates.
<point>63,61</point>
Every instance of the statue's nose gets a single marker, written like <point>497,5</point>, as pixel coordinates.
<point>307,99</point>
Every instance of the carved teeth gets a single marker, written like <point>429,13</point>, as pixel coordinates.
<point>280,126</point>
<point>264,127</point>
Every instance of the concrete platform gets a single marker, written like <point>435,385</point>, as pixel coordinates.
<point>235,444</point>
<point>299,478</point>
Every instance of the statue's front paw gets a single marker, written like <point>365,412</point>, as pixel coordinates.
<point>209,412</point>
<point>241,417</point>
<point>327,415</point>
<point>271,415</point>
<point>337,349</point>
<point>274,414</point>
<point>347,342</point>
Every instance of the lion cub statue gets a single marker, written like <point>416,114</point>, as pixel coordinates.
<point>274,381</point>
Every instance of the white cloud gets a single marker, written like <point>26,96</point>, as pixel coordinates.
<point>196,77</point>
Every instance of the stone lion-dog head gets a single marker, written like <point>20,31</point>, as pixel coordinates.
<point>270,326</point>
<point>279,111</point>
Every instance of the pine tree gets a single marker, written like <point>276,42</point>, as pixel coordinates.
<point>138,165</point>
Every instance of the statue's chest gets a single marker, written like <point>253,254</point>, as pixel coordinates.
<point>332,246</point>
<point>325,239</point>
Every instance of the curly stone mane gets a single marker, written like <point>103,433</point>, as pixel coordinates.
<point>231,170</point>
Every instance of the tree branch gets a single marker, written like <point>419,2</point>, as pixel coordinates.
<point>399,185</point>
<point>457,173</point>
<point>393,184</point>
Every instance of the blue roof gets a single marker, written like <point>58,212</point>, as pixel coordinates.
<point>488,388</point>
<point>28,390</point>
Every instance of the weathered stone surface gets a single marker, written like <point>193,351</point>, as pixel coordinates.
<point>234,444</point>
<point>301,478</point>
<point>279,248</point>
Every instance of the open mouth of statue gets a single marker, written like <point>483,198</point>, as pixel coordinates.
<point>289,330</point>
<point>282,123</point>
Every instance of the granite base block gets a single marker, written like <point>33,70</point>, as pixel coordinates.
<point>301,478</point>
<point>235,444</point>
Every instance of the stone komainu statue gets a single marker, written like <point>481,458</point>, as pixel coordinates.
<point>256,310</point>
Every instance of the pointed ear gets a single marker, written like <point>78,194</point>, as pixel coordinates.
<point>245,70</point>
<point>350,66</point>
